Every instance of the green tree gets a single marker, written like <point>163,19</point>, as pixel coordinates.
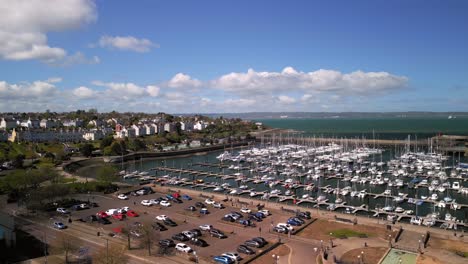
<point>105,142</point>
<point>137,144</point>
<point>87,149</point>
<point>107,174</point>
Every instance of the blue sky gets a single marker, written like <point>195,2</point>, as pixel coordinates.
<point>233,56</point>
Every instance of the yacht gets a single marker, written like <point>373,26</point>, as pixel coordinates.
<point>399,210</point>
<point>416,220</point>
<point>434,197</point>
<point>456,185</point>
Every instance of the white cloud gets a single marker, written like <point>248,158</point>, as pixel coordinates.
<point>127,91</point>
<point>181,80</point>
<point>127,43</point>
<point>289,79</point>
<point>284,99</point>
<point>25,23</point>
<point>83,92</point>
<point>26,90</point>
<point>153,90</point>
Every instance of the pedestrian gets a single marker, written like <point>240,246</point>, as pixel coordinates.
<point>134,202</point>
<point>260,230</point>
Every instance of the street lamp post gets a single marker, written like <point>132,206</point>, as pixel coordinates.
<point>362,256</point>
<point>275,258</point>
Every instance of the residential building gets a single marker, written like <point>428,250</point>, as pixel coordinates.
<point>3,136</point>
<point>73,123</point>
<point>93,135</point>
<point>199,125</point>
<point>96,123</point>
<point>150,129</point>
<point>139,130</point>
<point>48,123</point>
<point>124,132</point>
<point>169,127</point>
<point>75,135</point>
<point>8,123</point>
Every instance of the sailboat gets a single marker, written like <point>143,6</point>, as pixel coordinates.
<point>338,200</point>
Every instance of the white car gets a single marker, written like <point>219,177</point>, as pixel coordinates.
<point>146,203</point>
<point>62,210</point>
<point>165,203</point>
<point>122,196</point>
<point>284,225</point>
<point>232,255</point>
<point>125,208</point>
<point>154,201</point>
<point>121,211</point>
<point>162,217</point>
<point>209,201</point>
<point>189,234</point>
<point>206,227</point>
<point>264,211</point>
<point>183,248</point>
<point>217,205</point>
<point>245,210</point>
<point>111,211</point>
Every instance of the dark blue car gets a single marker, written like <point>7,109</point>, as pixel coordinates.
<point>186,197</point>
<point>223,260</point>
<point>293,222</point>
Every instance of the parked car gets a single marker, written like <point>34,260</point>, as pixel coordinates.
<point>265,212</point>
<point>159,226</point>
<point>180,237</point>
<point>186,197</point>
<point>223,260</point>
<point>196,231</point>
<point>260,215</point>
<point>245,210</point>
<point>236,215</point>
<point>122,196</point>
<point>200,204</point>
<point>111,211</point>
<point>204,211</point>
<point>183,248</point>
<point>260,240</point>
<point>206,227</point>
<point>247,222</point>
<point>218,205</point>
<point>102,215</point>
<point>253,243</point>
<point>209,201</point>
<point>217,233</point>
<point>154,201</point>
<point>169,222</point>
<point>304,215</point>
<point>299,220</point>
<point>293,222</point>
<point>62,210</point>
<point>165,203</point>
<point>170,197</point>
<point>228,218</point>
<point>132,213</point>
<point>177,200</point>
<point>199,242</point>
<point>59,225</point>
<point>280,229</point>
<point>256,218</point>
<point>91,218</point>
<point>245,249</point>
<point>146,203</point>
<point>288,227</point>
<point>191,208</point>
<point>119,217</point>
<point>232,255</point>
<point>166,243</point>
<point>162,217</point>
<point>189,234</point>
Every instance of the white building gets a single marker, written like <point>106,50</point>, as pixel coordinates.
<point>8,123</point>
<point>150,129</point>
<point>96,123</point>
<point>139,130</point>
<point>199,125</point>
<point>169,127</point>
<point>73,123</point>
<point>46,136</point>
<point>48,123</point>
<point>126,132</point>
<point>93,135</point>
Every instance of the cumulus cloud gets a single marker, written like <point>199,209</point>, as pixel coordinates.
<point>25,23</point>
<point>26,90</point>
<point>127,91</point>
<point>284,99</point>
<point>83,92</point>
<point>127,43</point>
<point>181,80</point>
<point>358,82</point>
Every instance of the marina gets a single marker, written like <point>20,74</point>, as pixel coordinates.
<point>420,187</point>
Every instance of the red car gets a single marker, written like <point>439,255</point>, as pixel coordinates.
<point>132,213</point>
<point>102,215</point>
<point>118,216</point>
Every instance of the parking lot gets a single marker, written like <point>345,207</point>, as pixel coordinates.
<point>186,220</point>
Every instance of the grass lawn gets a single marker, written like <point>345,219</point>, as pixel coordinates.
<point>344,233</point>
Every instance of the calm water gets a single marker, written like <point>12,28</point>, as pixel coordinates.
<point>383,128</point>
